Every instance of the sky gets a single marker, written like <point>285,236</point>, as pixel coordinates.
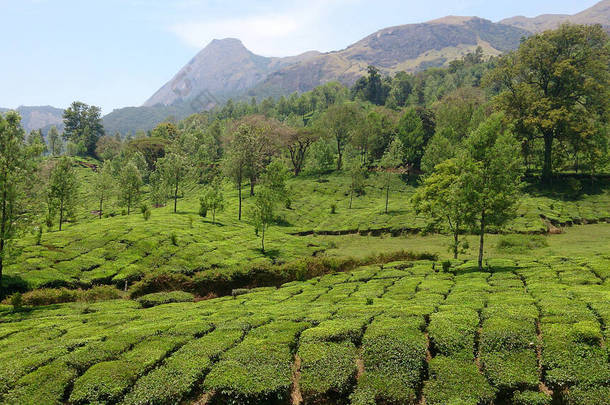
<point>117,53</point>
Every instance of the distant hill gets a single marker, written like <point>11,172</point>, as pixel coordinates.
<point>598,14</point>
<point>39,117</point>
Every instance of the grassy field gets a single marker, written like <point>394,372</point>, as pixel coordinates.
<point>522,332</point>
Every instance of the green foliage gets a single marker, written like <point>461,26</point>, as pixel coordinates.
<point>151,300</point>
<point>63,189</point>
<point>212,199</point>
<point>411,133</point>
<point>145,209</point>
<point>131,186</point>
<point>83,125</point>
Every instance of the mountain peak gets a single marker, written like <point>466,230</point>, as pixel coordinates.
<point>452,20</point>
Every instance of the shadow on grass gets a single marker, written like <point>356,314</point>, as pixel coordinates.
<point>568,187</point>
<point>269,253</point>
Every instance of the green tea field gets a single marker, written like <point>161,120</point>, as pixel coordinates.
<point>526,332</point>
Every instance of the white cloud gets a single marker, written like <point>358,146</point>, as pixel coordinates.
<point>289,32</point>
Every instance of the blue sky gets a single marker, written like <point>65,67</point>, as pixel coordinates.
<point>116,53</point>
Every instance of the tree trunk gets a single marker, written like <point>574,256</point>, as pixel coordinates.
<point>129,205</point>
<point>387,196</point>
<point>101,205</point>
<point>239,194</point>
<point>3,230</point>
<point>547,169</point>
<point>176,197</point>
<point>251,187</point>
<point>351,197</point>
<point>339,160</point>
<point>61,213</point>
<point>455,244</point>
<point>481,237</point>
<point>263,239</point>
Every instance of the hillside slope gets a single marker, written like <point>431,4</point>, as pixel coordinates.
<point>598,14</point>
<point>39,117</point>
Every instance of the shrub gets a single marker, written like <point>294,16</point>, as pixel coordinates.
<point>452,332</point>
<point>336,330</point>
<point>507,334</point>
<point>145,209</point>
<point>446,265</point>
<point>16,301</point>
<point>161,298</point>
<point>587,332</point>
<point>328,370</point>
<point>203,207</point>
<point>177,376</point>
<point>531,398</point>
<point>510,370</point>
<point>521,243</point>
<point>454,381</point>
<point>173,238</point>
<point>333,208</point>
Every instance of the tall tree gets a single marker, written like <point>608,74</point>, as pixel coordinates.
<point>83,125</point>
<point>103,186</point>
<point>176,171</point>
<point>54,141</point>
<point>340,121</point>
<point>298,142</point>
<point>131,186</point>
<point>491,177</point>
<point>556,84</point>
<point>63,189</point>
<point>263,212</point>
<point>236,159</point>
<point>16,164</point>
<point>213,198</point>
<point>441,198</point>
<point>392,158</point>
<point>411,133</point>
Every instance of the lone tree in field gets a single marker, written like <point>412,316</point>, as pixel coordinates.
<point>16,166</point>
<point>555,86</point>
<point>130,186</point>
<point>392,158</point>
<point>491,177</point>
<point>441,198</point>
<point>83,125</point>
<point>213,198</point>
<point>103,186</point>
<point>63,189</point>
<point>357,174</point>
<point>263,212</point>
<point>176,171</point>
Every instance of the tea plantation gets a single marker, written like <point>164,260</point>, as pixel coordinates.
<point>122,249</point>
<point>527,332</point>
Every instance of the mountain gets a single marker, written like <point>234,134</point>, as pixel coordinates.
<point>222,69</point>
<point>39,117</point>
<point>598,14</point>
<point>409,48</point>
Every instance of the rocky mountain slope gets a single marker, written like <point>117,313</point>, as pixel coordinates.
<point>39,117</point>
<point>598,14</point>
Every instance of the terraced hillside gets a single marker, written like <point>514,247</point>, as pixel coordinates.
<point>122,249</point>
<point>407,332</point>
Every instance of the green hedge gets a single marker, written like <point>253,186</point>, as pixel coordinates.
<point>328,370</point>
<point>151,300</point>
<point>453,331</point>
<point>456,381</point>
<point>511,370</point>
<point>176,377</point>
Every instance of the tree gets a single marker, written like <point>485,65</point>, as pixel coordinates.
<point>107,148</point>
<point>63,188</point>
<point>439,149</point>
<point>557,83</point>
<point>175,170</point>
<point>16,166</point>
<point>274,179</point>
<point>83,125</point>
<point>103,185</point>
<point>263,212</point>
<point>411,133</point>
<point>158,189</point>
<point>357,175</point>
<point>340,120</point>
<point>441,197</point>
<point>54,141</point>
<point>491,177</point>
<point>165,130</point>
<point>131,185</point>
<point>298,142</point>
<point>213,198</point>
<point>392,158</point>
